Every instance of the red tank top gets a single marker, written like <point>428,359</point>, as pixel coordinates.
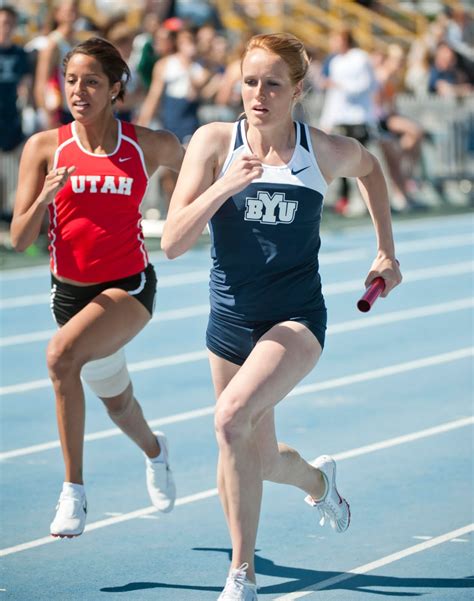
<point>95,223</point>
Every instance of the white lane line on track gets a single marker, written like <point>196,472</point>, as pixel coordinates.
<point>404,315</point>
<point>299,390</point>
<point>198,276</point>
<point>392,442</point>
<point>138,366</point>
<point>139,513</point>
<point>346,326</point>
<point>347,233</point>
<point>165,281</point>
<point>414,275</point>
<point>54,444</point>
<point>412,246</point>
<point>378,563</point>
<point>213,491</point>
<point>450,270</point>
<point>171,315</point>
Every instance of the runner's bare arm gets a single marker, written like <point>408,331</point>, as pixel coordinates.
<point>37,187</point>
<point>199,193</point>
<point>161,149</point>
<point>341,156</point>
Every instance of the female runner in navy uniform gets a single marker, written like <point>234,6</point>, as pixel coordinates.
<point>260,183</point>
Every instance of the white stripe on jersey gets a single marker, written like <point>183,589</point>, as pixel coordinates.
<point>301,170</point>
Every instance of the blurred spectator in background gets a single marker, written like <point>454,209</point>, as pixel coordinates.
<point>164,42</point>
<point>417,73</point>
<point>122,37</point>
<point>14,72</point>
<point>334,44</point>
<point>229,93</point>
<point>197,12</point>
<point>460,31</point>
<point>143,53</point>
<point>349,107</point>
<point>176,85</point>
<point>315,76</point>
<point>205,37</point>
<point>420,54</point>
<point>446,77</point>
<point>39,41</point>
<point>174,96</point>
<point>49,81</point>
<point>182,88</point>
<point>401,137</point>
<point>14,79</point>
<point>215,63</point>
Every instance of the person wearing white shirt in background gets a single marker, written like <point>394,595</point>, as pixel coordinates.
<point>349,107</point>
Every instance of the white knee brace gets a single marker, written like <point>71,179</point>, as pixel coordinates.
<point>107,377</point>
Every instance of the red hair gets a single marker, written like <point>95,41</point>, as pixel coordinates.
<point>286,46</point>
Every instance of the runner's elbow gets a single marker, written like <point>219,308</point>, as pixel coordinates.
<point>18,244</point>
<point>170,248</point>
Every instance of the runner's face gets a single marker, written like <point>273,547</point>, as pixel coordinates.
<point>88,90</point>
<point>267,91</point>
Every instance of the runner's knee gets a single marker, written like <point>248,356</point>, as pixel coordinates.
<point>107,377</point>
<point>61,358</point>
<point>232,419</point>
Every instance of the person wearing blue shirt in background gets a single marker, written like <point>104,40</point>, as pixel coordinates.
<point>14,66</point>
<point>14,72</point>
<point>446,78</point>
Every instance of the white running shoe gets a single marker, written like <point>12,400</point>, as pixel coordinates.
<point>159,478</point>
<point>71,513</point>
<point>237,587</point>
<point>332,506</point>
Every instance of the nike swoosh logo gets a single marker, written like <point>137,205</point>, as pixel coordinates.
<point>122,160</point>
<point>293,172</point>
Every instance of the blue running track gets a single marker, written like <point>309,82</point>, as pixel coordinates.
<point>391,398</point>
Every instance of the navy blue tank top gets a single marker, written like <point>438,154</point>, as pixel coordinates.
<point>265,239</point>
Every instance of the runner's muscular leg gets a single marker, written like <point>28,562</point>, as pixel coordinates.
<point>222,373</point>
<point>281,358</point>
<point>125,411</point>
<point>283,464</point>
<point>101,328</point>
<point>280,463</point>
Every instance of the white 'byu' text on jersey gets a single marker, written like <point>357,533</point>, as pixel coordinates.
<point>302,170</point>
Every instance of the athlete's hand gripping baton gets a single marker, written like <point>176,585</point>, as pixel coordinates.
<point>372,293</point>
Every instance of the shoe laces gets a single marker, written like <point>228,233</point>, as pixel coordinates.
<point>330,510</point>
<point>338,513</point>
<point>235,584</point>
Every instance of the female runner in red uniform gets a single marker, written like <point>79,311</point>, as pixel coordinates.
<point>91,176</point>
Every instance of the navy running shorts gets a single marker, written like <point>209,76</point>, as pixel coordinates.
<point>234,340</point>
<point>68,299</point>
